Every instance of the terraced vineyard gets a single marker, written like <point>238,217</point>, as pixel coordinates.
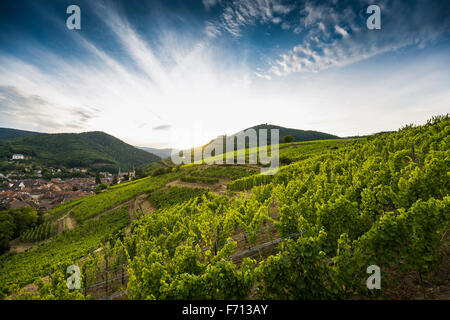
<point>65,249</point>
<point>39,233</point>
<point>94,205</point>
<point>308,232</point>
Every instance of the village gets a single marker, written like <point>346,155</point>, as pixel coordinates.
<point>59,185</point>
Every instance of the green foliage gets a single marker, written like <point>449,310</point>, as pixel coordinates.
<point>7,227</point>
<point>370,201</point>
<point>100,188</point>
<point>298,135</point>
<point>64,250</point>
<point>174,195</point>
<point>95,150</point>
<point>199,179</point>
<point>93,205</point>
<point>97,178</point>
<point>338,207</point>
<point>14,222</point>
<point>299,271</point>
<point>6,133</point>
<point>39,233</point>
<point>287,139</point>
<point>55,290</point>
<point>160,171</point>
<point>231,172</point>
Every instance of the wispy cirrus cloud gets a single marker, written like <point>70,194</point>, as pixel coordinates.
<point>332,33</point>
<point>140,82</point>
<point>336,38</point>
<point>135,97</point>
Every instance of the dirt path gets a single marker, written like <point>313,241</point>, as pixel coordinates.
<point>67,222</point>
<point>17,246</point>
<point>70,222</point>
<point>217,188</point>
<point>139,205</point>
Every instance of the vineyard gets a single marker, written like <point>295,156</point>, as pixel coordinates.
<point>231,172</point>
<point>173,195</point>
<point>199,179</point>
<point>308,232</point>
<point>39,233</point>
<point>94,205</point>
<point>64,250</point>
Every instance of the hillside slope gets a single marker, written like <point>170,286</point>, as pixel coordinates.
<point>7,133</point>
<point>338,207</point>
<point>95,150</point>
<point>299,135</point>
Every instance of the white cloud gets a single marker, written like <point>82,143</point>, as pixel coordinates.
<point>210,3</point>
<point>276,20</point>
<point>321,49</point>
<point>131,95</point>
<point>341,31</point>
<point>263,76</point>
<point>285,26</point>
<point>182,80</point>
<point>212,30</point>
<point>240,13</point>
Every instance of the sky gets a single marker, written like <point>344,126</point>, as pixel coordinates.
<point>178,73</point>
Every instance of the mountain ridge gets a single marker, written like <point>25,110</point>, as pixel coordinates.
<point>95,150</point>
<point>298,134</point>
<point>10,133</point>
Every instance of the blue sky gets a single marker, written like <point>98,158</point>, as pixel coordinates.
<point>178,73</point>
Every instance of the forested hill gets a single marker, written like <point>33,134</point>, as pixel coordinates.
<point>298,135</point>
<point>94,150</point>
<point>6,133</point>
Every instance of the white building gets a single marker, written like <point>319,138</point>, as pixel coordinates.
<point>18,157</point>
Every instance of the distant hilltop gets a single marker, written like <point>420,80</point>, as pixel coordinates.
<point>297,134</point>
<point>7,133</point>
<point>94,150</point>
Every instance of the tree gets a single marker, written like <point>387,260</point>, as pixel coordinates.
<point>100,187</point>
<point>6,230</point>
<point>288,138</point>
<point>97,178</point>
<point>24,218</point>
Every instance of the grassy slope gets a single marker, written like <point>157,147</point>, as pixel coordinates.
<point>293,151</point>
<point>299,135</point>
<point>377,196</point>
<point>65,249</point>
<point>61,248</point>
<point>70,245</point>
